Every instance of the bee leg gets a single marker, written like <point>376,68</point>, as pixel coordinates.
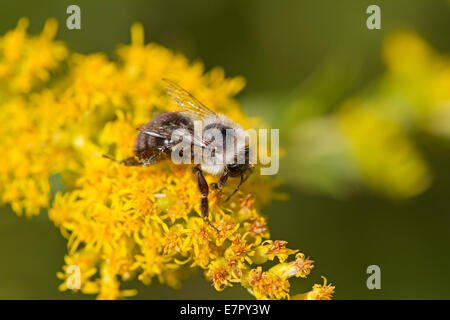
<point>238,186</point>
<point>204,190</point>
<point>143,159</point>
<point>152,159</point>
<point>222,181</point>
<point>131,161</point>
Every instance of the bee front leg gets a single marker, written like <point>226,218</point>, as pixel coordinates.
<point>243,179</point>
<point>204,190</point>
<point>222,181</point>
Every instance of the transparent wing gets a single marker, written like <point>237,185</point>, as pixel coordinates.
<point>187,102</point>
<point>158,131</point>
<point>175,133</point>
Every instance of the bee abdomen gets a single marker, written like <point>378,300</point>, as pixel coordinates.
<point>162,125</point>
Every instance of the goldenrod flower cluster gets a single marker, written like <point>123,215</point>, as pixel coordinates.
<point>368,141</point>
<point>412,96</point>
<point>61,111</point>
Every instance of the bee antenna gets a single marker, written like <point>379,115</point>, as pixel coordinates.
<point>110,158</point>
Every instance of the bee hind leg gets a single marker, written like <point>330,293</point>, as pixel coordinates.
<point>131,161</point>
<point>143,159</point>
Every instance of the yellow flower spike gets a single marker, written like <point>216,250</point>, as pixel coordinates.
<point>125,222</point>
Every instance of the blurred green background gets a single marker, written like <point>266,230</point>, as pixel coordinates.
<point>302,60</point>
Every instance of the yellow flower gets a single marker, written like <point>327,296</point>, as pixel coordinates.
<point>389,162</point>
<point>26,62</point>
<point>405,52</point>
<point>319,292</point>
<point>266,285</point>
<point>422,78</point>
<point>219,274</point>
<point>269,249</point>
<point>300,267</point>
<point>414,94</point>
<point>124,222</point>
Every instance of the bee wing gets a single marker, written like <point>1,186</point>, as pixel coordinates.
<point>166,131</point>
<point>187,102</point>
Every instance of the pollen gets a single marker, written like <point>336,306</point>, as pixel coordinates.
<point>266,285</point>
<point>319,292</point>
